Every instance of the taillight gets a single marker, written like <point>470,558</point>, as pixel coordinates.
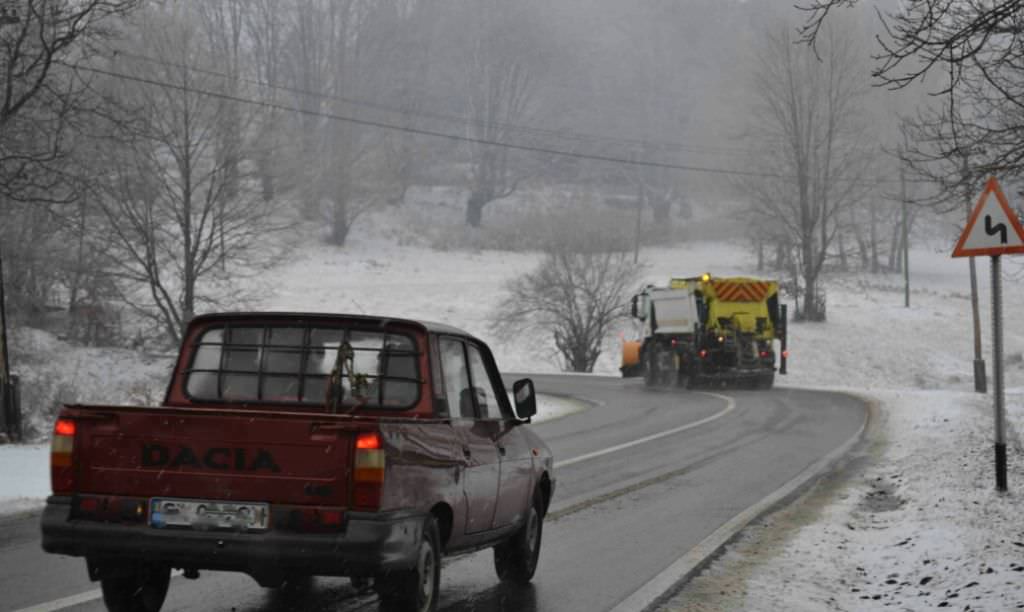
<point>110,508</point>
<point>765,354</point>
<point>311,520</point>
<point>369,470</point>
<point>703,353</point>
<point>62,475</point>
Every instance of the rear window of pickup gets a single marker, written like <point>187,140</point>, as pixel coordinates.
<point>296,364</point>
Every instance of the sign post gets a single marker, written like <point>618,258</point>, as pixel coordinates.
<point>998,233</point>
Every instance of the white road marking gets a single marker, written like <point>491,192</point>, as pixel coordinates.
<point>66,602</point>
<point>650,594</point>
<point>73,600</point>
<point>730,406</point>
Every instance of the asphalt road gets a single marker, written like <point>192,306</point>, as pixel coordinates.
<point>643,476</point>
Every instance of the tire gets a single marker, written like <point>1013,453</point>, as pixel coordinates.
<point>650,371</point>
<point>135,590</point>
<point>416,589</point>
<point>515,560</point>
<point>765,381</point>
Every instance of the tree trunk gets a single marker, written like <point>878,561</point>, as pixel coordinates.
<point>874,237</point>
<point>266,176</point>
<point>340,225</point>
<point>475,208</point>
<point>661,206</point>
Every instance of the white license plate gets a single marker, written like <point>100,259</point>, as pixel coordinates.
<point>207,514</point>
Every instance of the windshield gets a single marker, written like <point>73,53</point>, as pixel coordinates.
<point>303,365</point>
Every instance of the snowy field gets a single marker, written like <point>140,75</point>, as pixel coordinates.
<point>915,525</point>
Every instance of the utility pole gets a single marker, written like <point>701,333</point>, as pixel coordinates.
<point>906,238</point>
<point>980,379</point>
<point>8,421</point>
<point>639,214</point>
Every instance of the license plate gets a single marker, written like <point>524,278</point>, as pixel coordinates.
<point>206,514</point>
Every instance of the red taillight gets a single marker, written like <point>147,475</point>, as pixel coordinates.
<point>764,354</point>
<point>368,440</point>
<point>64,427</point>
<point>331,518</point>
<point>368,481</point>
<point>703,353</point>
<point>674,342</point>
<point>62,446</point>
<point>314,520</point>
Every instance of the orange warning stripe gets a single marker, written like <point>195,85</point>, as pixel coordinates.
<point>731,291</point>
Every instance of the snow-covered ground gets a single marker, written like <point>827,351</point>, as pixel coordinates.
<point>916,523</point>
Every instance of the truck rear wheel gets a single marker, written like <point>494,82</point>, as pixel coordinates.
<point>135,590</point>
<point>650,370</point>
<point>416,589</point>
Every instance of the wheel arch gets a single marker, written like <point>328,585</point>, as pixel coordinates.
<point>544,488</point>
<point>445,518</point>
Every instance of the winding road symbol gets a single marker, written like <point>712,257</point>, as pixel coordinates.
<point>998,228</point>
<point>993,227</point>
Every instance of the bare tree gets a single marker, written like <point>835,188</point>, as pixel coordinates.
<point>40,40</point>
<point>579,290</point>
<point>971,51</point>
<point>804,121</point>
<point>175,224</point>
<point>502,86</point>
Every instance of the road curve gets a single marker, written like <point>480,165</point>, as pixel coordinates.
<point>643,477</point>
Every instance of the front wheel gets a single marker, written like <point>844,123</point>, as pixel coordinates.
<point>416,589</point>
<point>135,590</point>
<point>515,560</point>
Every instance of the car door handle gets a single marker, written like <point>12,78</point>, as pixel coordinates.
<point>466,452</point>
<point>501,451</point>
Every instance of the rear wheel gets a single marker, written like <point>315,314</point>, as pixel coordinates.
<point>135,589</point>
<point>416,589</point>
<point>650,369</point>
<point>515,560</point>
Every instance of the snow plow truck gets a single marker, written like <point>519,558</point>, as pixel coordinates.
<point>706,331</point>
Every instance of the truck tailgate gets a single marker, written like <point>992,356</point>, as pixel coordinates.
<point>213,454</point>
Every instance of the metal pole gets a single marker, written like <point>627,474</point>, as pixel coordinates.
<point>6,417</point>
<point>639,215</point>
<point>906,240</point>
<point>784,339</point>
<point>980,380</point>
<point>997,368</point>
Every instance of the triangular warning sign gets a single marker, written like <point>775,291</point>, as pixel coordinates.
<point>993,228</point>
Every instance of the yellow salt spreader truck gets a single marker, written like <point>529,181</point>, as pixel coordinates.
<point>708,331</point>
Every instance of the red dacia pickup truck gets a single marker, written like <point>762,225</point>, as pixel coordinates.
<point>292,445</point>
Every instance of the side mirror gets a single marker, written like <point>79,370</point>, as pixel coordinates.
<point>526,399</point>
<point>633,308</point>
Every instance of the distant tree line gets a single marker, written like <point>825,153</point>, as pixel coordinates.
<point>153,154</point>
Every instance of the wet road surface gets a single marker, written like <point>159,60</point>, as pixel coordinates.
<point>642,477</point>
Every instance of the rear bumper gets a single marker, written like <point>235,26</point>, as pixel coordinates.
<point>369,543</point>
